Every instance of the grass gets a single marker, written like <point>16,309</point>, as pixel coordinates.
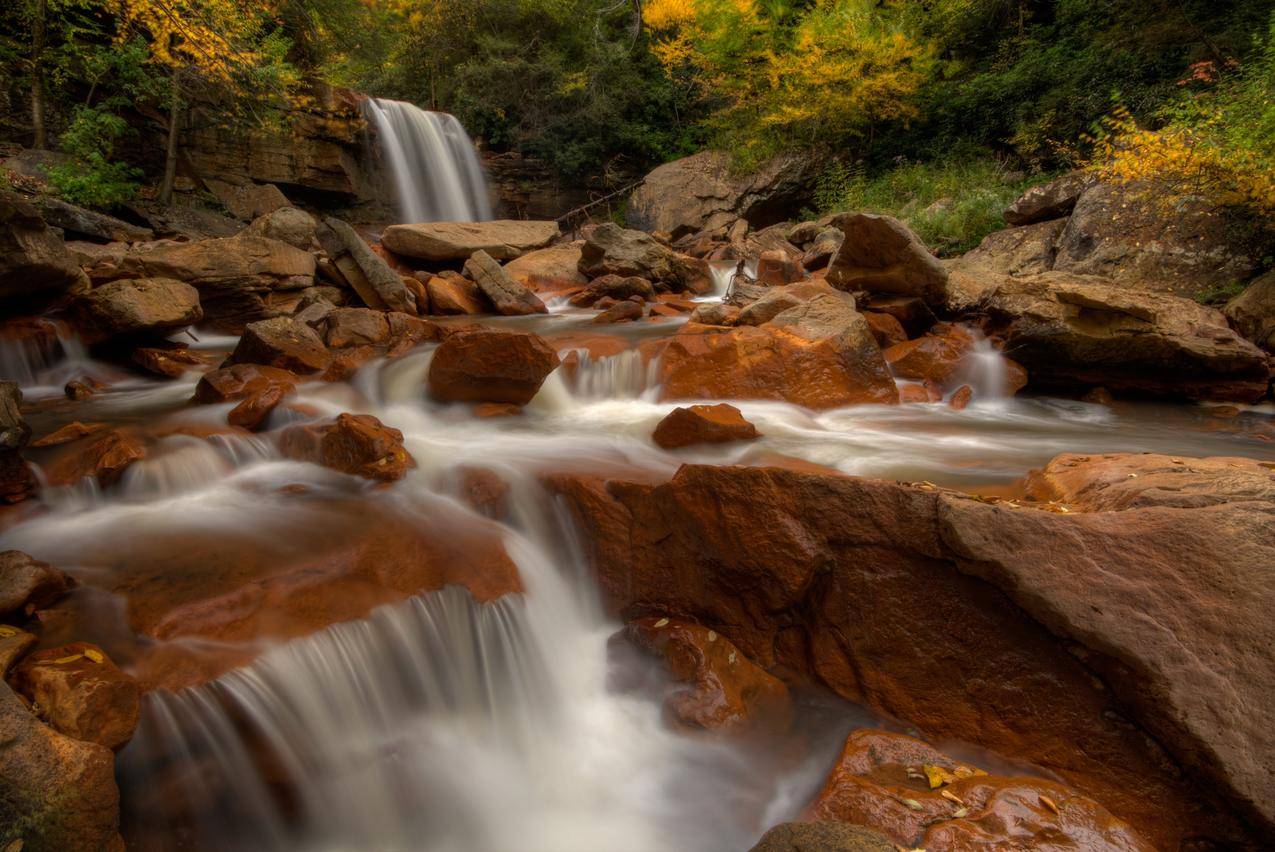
<point>951,204</point>
<point>1218,295</point>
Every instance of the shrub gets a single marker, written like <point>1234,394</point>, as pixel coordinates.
<point>93,178</point>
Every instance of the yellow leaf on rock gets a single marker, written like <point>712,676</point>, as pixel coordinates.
<point>1049,803</point>
<point>913,804</point>
<point>61,661</point>
<point>937,776</point>
<point>6,630</point>
<point>94,655</point>
<point>951,797</point>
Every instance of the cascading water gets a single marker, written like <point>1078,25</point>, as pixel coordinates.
<point>432,161</point>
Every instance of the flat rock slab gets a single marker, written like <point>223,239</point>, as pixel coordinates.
<point>503,239</point>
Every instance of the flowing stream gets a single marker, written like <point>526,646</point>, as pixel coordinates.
<point>440,723</point>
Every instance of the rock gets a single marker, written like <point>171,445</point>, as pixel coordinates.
<point>247,200</point>
<point>775,301</point>
<point>776,268</point>
<point>1072,331</point>
<point>78,390</point>
<point>240,381</point>
<point>822,837</point>
<point>702,192</point>
<point>485,491</point>
<point>509,297</point>
<point>27,584</point>
<point>76,221</point>
<point>497,409</point>
<point>823,249</point>
<point>1252,313</point>
<point>1017,251</point>
<point>716,314</point>
<point>73,431</point>
<point>625,311</point>
<point>35,267</point>
<point>14,644</point>
<point>1048,201</point>
<point>236,276</point>
<point>104,458</point>
<point>819,353</point>
<point>356,327</point>
<point>503,239</point>
<point>377,284</point>
<point>170,361</point>
<point>282,342</point>
<point>887,330</point>
<point>615,287</point>
<point>882,781</point>
<point>961,398</point>
<point>703,424</point>
<point>487,365</point>
<point>137,305</point>
<point>357,444</point>
<point>913,314</point>
<point>14,431</point>
<point>80,693</point>
<point>60,793</point>
<point>288,225</point>
<point>727,691</point>
<point>880,255</point>
<point>185,221</point>
<point>549,270</point>
<point>612,250</point>
<point>1134,237</point>
<point>254,410</point>
<point>455,296</point>
<point>1126,652</point>
<point>935,357</point>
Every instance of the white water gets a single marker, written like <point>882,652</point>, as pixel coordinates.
<point>432,162</point>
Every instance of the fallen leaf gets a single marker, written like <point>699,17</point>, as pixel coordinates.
<point>6,630</point>
<point>64,660</point>
<point>960,813</point>
<point>937,776</point>
<point>1049,803</point>
<point>913,804</point>
<point>94,655</point>
<point>951,797</point>
<point>662,622</point>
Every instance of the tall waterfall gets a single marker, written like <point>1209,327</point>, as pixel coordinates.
<point>433,163</point>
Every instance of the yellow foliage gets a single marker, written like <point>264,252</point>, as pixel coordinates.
<point>204,34</point>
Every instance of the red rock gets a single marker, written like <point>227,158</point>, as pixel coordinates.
<point>912,313</point>
<point>728,692</point>
<point>485,490</point>
<point>497,409</point>
<point>284,343</point>
<point>487,365</point>
<point>356,327</point>
<point>27,584</point>
<point>253,411</point>
<point>77,389</point>
<point>936,356</point>
<point>703,424</point>
<point>961,397</point>
<point>81,693</point>
<point>911,393</point>
<point>17,482</point>
<point>613,287</point>
<point>665,311</point>
<point>824,836</point>
<point>455,295</point>
<point>887,330</point>
<point>357,444</point>
<point>170,361</point>
<point>104,458</point>
<point>241,381</point>
<point>776,268</point>
<point>549,270</point>
<point>625,311</point>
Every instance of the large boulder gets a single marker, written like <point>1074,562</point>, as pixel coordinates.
<point>549,270</point>
<point>1016,251</point>
<point>137,305</point>
<point>1252,313</point>
<point>703,424</point>
<point>78,222</point>
<point>881,255</point>
<point>1125,651</point>
<point>238,278</point>
<point>1070,331</point>
<point>288,225</point>
<point>488,365</point>
<point>27,584</point>
<point>35,266</point>
<point>503,239</point>
<point>58,793</point>
<point>612,250</point>
<point>282,342</point>
<point>1048,201</point>
<point>81,693</point>
<point>509,297</point>
<point>702,192</point>
<point>367,272</point>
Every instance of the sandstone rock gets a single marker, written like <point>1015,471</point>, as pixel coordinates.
<point>880,255</point>
<point>549,270</point>
<point>104,458</point>
<point>356,327</point>
<point>27,584</point>
<point>1252,313</point>
<point>60,793</point>
<point>625,311</point>
<point>1048,201</point>
<point>716,314</point>
<point>509,297</point>
<point>612,250</point>
<point>961,398</point>
<point>822,837</point>
<point>253,411</point>
<point>1017,251</point>
<point>776,268</point>
<point>936,356</point>
<point>14,644</point>
<point>73,431</point>
<point>887,330</point>
<point>14,431</point>
<point>185,221</point>
<point>487,365</point>
<point>80,693</point>
<point>703,424</point>
<point>76,221</point>
<point>881,782</point>
<point>377,284</point>
<point>133,306</point>
<point>485,491</point>
<point>913,314</point>
<point>455,296</point>
<point>171,361</point>
<point>35,267</point>
<point>503,239</point>
<point>239,381</point>
<point>281,342</point>
<point>247,200</point>
<point>701,192</point>
<point>235,276</point>
<point>357,444</point>
<point>823,249</point>
<point>775,301</point>
<point>727,691</point>
<point>1072,331</point>
<point>615,287</point>
<point>288,225</point>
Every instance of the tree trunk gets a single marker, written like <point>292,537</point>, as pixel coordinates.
<point>37,76</point>
<point>165,195</point>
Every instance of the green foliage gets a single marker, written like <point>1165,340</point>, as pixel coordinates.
<point>94,178</point>
<point>1219,295</point>
<point>952,204</point>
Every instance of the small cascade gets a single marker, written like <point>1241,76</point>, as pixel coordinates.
<point>983,369</point>
<point>626,375</point>
<point>40,354</point>
<point>432,161</point>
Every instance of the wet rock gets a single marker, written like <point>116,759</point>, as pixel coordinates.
<point>549,270</point>
<point>27,584</point>
<point>485,491</point>
<point>60,793</point>
<point>133,306</point>
<point>961,398</point>
<point>357,444</point>
<point>73,431</point>
<point>455,296</point>
<point>775,301</point>
<point>887,330</point>
<point>612,250</point>
<point>79,222</point>
<point>14,644</point>
<point>727,692</point>
<point>14,431</point>
<point>487,365</point>
<point>1252,313</point>
<point>497,409</point>
<point>104,458</point>
<point>1068,331</point>
<point>625,311</point>
<point>254,410</point>
<point>81,693</point>
<point>503,239</point>
<point>284,343</point>
<point>887,782</point>
<point>913,314</point>
<point>776,268</point>
<point>1053,200</point>
<point>172,361</point>
<point>356,327</point>
<point>377,284</point>
<point>35,267</point>
<point>716,314</point>
<point>288,225</point>
<point>936,356</point>
<point>822,837</point>
<point>509,297</point>
<point>614,287</point>
<point>240,381</point>
<point>703,424</point>
<point>880,255</point>
<point>78,390</point>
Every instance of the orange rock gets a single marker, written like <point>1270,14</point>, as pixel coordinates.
<point>775,269</point>
<point>911,393</point>
<point>455,296</point>
<point>171,361</point>
<point>703,424</point>
<point>282,342</point>
<point>357,444</point>
<point>70,432</point>
<point>81,693</point>
<point>488,365</point>
<point>240,381</point>
<point>485,490</point>
<point>887,330</point>
<point>625,311</point>
<point>104,458</point>
<point>933,356</point>
<point>27,584</point>
<point>961,397</point>
<point>253,411</point>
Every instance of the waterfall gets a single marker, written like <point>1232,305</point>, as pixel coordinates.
<point>433,163</point>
